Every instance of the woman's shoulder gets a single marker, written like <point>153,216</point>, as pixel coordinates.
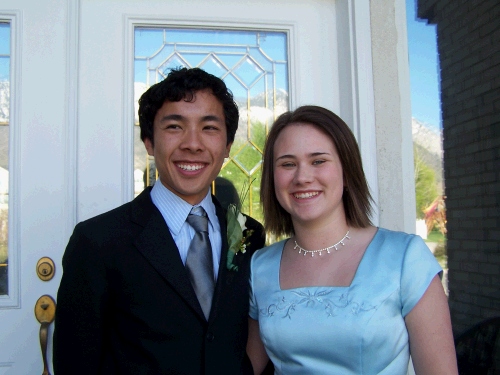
<point>271,251</point>
<point>397,245</point>
<point>394,233</point>
<point>396,237</point>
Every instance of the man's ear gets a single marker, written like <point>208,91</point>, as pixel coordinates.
<point>149,146</point>
<point>228,149</point>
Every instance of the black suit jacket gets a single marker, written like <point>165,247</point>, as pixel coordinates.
<point>125,304</point>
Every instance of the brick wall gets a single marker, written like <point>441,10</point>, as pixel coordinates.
<point>469,54</point>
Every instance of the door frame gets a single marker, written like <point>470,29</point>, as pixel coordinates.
<point>356,104</point>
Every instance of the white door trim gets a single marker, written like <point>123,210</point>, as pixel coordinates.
<point>132,21</point>
<point>364,101</point>
<point>71,107</point>
<point>13,299</point>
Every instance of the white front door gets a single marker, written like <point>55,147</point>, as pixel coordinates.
<point>40,204</point>
<point>72,113</point>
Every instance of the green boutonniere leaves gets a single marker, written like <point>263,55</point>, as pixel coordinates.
<point>237,233</point>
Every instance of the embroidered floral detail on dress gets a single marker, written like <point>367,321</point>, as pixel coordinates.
<point>307,299</point>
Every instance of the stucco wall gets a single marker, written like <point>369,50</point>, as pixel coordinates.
<point>393,115</point>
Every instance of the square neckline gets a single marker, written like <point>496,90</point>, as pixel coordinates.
<point>362,261</point>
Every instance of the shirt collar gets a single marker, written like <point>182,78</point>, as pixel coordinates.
<point>175,210</point>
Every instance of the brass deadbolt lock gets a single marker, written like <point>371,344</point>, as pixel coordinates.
<point>45,269</point>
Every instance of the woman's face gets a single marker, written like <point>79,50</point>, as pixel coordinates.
<point>308,175</point>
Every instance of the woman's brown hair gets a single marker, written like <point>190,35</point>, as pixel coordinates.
<point>356,198</point>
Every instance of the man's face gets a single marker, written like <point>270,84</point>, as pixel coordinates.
<point>189,145</point>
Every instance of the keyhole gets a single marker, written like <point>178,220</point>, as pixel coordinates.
<point>45,269</point>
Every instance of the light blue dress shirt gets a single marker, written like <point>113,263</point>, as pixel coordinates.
<point>175,211</point>
<point>352,330</point>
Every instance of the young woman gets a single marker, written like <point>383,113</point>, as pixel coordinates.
<point>339,296</point>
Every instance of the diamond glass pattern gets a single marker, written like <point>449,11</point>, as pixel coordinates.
<point>254,66</point>
<point>248,71</point>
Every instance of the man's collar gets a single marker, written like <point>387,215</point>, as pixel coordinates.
<point>175,210</point>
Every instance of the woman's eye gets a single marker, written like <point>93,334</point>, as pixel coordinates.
<point>317,162</point>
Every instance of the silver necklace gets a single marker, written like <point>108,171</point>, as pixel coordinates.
<point>327,249</point>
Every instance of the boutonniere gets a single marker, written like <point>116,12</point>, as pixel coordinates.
<point>237,233</point>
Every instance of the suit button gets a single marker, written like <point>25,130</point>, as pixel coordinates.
<point>210,336</point>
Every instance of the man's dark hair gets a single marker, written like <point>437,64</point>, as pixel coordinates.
<point>182,84</point>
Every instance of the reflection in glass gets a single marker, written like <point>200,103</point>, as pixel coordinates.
<point>4,152</point>
<point>253,64</point>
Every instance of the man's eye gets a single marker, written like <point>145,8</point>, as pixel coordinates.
<point>211,127</point>
<point>172,126</point>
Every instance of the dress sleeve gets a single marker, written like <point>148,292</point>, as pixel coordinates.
<point>419,268</point>
<point>254,310</point>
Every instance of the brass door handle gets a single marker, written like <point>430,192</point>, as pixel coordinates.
<point>45,311</point>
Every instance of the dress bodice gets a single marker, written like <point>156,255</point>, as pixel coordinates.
<point>358,329</point>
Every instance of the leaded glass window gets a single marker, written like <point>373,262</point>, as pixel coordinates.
<point>252,63</point>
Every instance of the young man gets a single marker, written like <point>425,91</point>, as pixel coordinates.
<point>130,299</point>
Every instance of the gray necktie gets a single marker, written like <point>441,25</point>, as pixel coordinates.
<point>199,263</point>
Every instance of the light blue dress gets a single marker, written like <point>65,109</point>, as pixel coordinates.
<point>358,329</point>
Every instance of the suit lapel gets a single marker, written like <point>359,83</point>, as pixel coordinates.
<point>223,271</point>
<point>157,245</point>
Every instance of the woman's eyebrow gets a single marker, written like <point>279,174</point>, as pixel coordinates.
<point>312,154</point>
<point>287,156</point>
